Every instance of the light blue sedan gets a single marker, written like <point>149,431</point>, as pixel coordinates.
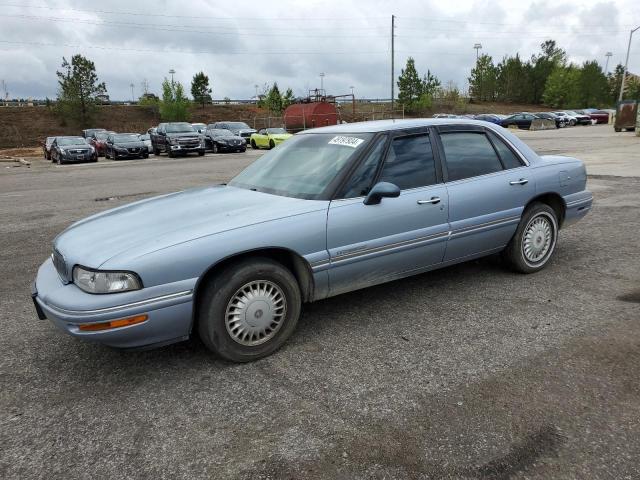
<point>331,210</point>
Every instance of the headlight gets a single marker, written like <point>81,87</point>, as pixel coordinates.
<point>95,281</point>
<point>93,150</point>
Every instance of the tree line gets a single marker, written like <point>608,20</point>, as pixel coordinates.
<point>79,89</point>
<point>547,78</point>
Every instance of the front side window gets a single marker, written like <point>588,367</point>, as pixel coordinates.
<point>304,166</point>
<point>409,163</point>
<point>361,181</point>
<point>469,155</point>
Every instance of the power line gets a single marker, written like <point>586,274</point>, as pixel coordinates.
<point>447,20</point>
<point>194,52</point>
<point>179,28</point>
<point>147,14</point>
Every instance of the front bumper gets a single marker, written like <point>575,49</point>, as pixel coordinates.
<point>169,309</point>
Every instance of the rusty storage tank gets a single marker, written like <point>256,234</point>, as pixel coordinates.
<point>301,116</point>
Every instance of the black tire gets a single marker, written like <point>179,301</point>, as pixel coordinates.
<point>59,160</point>
<point>201,153</point>
<point>253,145</point>
<point>170,152</point>
<point>215,148</point>
<point>156,151</point>
<point>514,253</point>
<point>145,155</point>
<point>572,123</point>
<point>272,144</point>
<point>220,290</point>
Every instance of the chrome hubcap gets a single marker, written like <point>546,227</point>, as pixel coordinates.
<point>538,239</point>
<point>255,313</point>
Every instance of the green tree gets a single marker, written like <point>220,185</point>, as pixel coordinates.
<point>409,85</point>
<point>273,100</point>
<point>288,98</point>
<point>200,88</point>
<point>430,84</point>
<point>483,79</point>
<point>632,88</point>
<point>174,105</point>
<point>541,66</point>
<point>592,86</point>
<point>562,87</point>
<point>78,87</point>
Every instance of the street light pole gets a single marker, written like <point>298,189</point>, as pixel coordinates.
<point>606,67</point>
<point>321,82</point>
<point>132,96</point>
<point>478,47</point>
<point>172,71</point>
<point>626,62</point>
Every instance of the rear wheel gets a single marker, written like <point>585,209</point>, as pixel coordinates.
<point>535,239</point>
<point>201,153</point>
<point>248,310</point>
<point>170,152</point>
<point>215,148</point>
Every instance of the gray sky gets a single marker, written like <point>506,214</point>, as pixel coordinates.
<point>242,43</point>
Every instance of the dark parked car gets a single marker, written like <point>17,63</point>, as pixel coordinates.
<point>72,150</point>
<point>559,121</point>
<point>177,138</point>
<point>89,131</point>
<point>520,120</point>
<point>46,147</point>
<point>99,141</point>
<point>237,128</point>
<point>125,145</point>
<point>489,117</point>
<point>220,140</point>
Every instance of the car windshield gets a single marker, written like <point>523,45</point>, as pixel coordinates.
<point>276,131</point>
<point>178,128</point>
<point>304,166</point>
<point>127,137</point>
<point>221,132</point>
<point>71,141</point>
<point>101,135</point>
<point>238,125</point>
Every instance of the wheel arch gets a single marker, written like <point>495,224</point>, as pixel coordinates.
<point>555,201</point>
<point>291,260</point>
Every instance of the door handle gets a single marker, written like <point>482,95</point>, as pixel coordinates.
<point>431,200</point>
<point>522,181</point>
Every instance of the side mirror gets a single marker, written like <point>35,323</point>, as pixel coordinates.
<point>381,190</point>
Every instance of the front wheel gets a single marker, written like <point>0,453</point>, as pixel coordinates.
<point>215,148</point>
<point>253,145</point>
<point>249,310</point>
<point>272,144</point>
<point>535,239</point>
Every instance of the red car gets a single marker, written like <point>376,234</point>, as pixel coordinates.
<point>600,116</point>
<point>99,141</point>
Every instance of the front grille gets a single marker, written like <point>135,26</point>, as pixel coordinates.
<point>189,142</point>
<point>60,264</point>
<point>245,134</point>
<point>134,150</point>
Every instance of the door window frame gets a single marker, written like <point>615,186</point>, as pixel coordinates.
<point>478,129</point>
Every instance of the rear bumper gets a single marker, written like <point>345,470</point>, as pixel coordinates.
<point>169,314</point>
<point>577,206</point>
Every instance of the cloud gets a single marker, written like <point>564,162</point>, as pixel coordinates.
<point>239,45</point>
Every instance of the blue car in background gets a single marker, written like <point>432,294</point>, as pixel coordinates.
<point>331,210</point>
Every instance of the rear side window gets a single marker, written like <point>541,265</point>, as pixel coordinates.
<point>509,159</point>
<point>410,163</point>
<point>469,155</point>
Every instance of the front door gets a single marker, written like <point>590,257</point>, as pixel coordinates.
<point>370,244</point>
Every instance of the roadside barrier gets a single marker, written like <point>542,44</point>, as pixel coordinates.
<point>542,124</point>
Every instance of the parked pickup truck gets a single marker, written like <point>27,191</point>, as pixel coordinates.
<point>177,138</point>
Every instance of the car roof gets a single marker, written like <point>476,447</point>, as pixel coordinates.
<point>376,126</point>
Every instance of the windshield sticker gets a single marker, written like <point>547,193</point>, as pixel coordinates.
<point>352,142</point>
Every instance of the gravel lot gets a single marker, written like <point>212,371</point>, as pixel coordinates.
<point>467,372</point>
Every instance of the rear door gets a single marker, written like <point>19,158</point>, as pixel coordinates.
<point>489,183</point>
<point>370,244</point>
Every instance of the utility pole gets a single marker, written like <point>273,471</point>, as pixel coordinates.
<point>626,62</point>
<point>322,83</point>
<point>352,87</point>
<point>393,27</point>
<point>606,67</point>
<point>256,85</point>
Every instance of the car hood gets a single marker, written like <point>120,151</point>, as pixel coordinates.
<point>75,146</point>
<point>159,222</point>
<point>280,136</point>
<point>228,137</point>
<point>245,130</point>
<point>138,143</point>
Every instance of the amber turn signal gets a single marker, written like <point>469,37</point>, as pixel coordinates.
<point>122,322</point>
